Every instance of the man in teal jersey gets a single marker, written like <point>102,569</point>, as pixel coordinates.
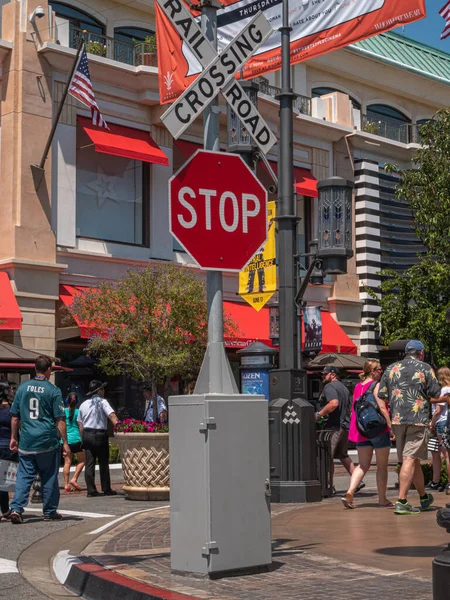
<point>39,408</point>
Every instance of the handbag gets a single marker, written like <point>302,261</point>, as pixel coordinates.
<point>8,475</point>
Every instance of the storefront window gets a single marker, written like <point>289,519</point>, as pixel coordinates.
<point>112,195</point>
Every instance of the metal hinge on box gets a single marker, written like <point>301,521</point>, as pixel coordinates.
<point>208,423</point>
<point>209,547</point>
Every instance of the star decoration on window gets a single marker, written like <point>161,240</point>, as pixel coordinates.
<point>104,187</point>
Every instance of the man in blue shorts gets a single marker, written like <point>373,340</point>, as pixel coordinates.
<point>39,408</point>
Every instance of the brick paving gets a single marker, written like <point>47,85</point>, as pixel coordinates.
<point>320,552</point>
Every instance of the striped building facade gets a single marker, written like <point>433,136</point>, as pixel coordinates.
<point>385,239</point>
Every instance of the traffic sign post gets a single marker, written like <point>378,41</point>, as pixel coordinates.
<point>220,514</point>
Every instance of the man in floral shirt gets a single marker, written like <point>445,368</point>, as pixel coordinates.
<point>409,386</point>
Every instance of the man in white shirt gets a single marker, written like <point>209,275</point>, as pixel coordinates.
<point>93,416</point>
<point>162,408</point>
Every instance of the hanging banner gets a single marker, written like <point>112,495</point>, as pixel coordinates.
<point>258,281</point>
<point>312,319</point>
<point>318,27</point>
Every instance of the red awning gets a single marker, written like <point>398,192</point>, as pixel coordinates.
<point>334,338</point>
<point>10,315</point>
<point>124,141</point>
<point>67,294</point>
<point>304,181</point>
<point>187,149</point>
<point>253,326</point>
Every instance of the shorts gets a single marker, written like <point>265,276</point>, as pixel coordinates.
<point>339,444</point>
<point>411,440</point>
<point>75,448</point>
<point>440,427</point>
<point>381,441</point>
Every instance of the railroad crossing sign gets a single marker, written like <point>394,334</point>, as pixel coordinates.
<point>218,75</point>
<point>221,221</point>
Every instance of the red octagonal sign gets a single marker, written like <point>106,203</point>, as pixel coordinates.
<point>218,210</point>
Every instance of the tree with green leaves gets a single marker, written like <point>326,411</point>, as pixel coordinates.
<point>151,324</point>
<point>414,303</point>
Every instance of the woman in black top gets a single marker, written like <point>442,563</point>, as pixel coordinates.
<point>5,437</point>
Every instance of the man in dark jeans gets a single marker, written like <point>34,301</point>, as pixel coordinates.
<point>93,417</point>
<point>337,405</point>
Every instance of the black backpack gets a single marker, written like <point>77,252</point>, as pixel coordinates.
<point>369,420</point>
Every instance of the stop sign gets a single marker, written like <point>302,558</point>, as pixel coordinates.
<point>218,210</point>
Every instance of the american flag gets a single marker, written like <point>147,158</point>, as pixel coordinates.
<point>81,89</point>
<point>445,14</point>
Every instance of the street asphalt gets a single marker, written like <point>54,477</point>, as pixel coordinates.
<point>30,546</point>
<point>15,539</point>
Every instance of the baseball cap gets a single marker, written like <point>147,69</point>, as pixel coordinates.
<point>414,346</point>
<point>334,370</point>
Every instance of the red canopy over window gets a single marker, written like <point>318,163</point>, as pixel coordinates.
<point>304,181</point>
<point>334,338</point>
<point>10,315</point>
<point>124,141</point>
<point>252,325</point>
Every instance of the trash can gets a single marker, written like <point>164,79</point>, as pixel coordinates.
<point>256,362</point>
<point>324,461</point>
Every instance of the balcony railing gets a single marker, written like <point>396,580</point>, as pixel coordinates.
<point>141,53</point>
<point>406,133</point>
<point>301,103</point>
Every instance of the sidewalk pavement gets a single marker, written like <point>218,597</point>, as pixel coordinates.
<point>320,551</point>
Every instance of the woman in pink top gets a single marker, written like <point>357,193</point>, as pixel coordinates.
<point>381,444</point>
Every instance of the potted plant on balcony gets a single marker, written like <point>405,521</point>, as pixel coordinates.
<point>144,449</point>
<point>96,48</point>
<point>147,51</point>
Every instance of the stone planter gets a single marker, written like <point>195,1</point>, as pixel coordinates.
<point>145,464</point>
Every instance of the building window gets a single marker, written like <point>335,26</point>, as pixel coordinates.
<point>113,195</point>
<point>387,122</point>
<point>132,34</point>
<point>131,42</point>
<point>387,113</point>
<point>77,18</point>
<point>322,91</point>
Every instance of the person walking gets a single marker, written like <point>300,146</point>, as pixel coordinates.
<point>436,443</point>
<point>39,407</point>
<point>371,374</point>
<point>75,444</point>
<point>6,394</point>
<point>409,386</point>
<point>337,411</point>
<point>161,405</point>
<point>93,418</point>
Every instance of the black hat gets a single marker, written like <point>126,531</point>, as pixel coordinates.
<point>95,385</point>
<point>147,386</point>
<point>4,390</point>
<point>334,370</point>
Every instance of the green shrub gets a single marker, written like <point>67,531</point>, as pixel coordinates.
<point>114,455</point>
<point>427,469</point>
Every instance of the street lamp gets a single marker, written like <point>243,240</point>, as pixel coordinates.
<point>335,224</point>
<point>291,416</point>
<point>239,138</point>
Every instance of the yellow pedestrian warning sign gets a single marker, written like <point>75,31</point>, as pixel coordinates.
<point>258,281</point>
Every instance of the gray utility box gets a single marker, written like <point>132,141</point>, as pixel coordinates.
<point>219,483</point>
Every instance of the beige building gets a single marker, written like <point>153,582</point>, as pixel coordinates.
<point>94,215</point>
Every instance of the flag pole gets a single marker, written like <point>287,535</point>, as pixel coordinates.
<point>60,108</point>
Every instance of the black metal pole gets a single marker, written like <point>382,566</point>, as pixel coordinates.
<point>291,417</point>
<point>286,214</point>
<point>60,108</point>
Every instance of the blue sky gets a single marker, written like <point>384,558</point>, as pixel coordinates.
<point>429,30</point>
